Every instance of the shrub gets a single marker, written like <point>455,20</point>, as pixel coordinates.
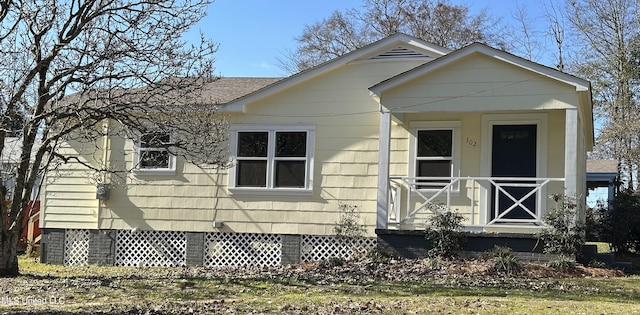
<point>564,233</point>
<point>563,263</point>
<point>349,227</point>
<point>621,227</point>
<point>504,261</point>
<point>597,264</point>
<point>595,222</point>
<point>445,234</point>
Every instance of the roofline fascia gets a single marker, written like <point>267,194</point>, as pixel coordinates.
<point>579,84</point>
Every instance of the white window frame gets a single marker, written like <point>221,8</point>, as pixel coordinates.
<point>271,159</point>
<point>137,153</point>
<point>455,127</point>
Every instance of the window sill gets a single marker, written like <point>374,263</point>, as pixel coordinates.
<point>270,191</point>
<point>154,172</point>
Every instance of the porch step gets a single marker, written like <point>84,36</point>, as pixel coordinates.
<point>589,250</point>
<point>590,253</point>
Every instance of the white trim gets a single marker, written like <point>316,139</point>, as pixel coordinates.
<point>384,145</point>
<point>137,170</point>
<point>571,153</point>
<point>579,84</point>
<point>455,127</point>
<point>488,121</point>
<point>270,189</point>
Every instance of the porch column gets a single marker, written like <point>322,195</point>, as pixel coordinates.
<point>383,170</point>
<point>571,152</point>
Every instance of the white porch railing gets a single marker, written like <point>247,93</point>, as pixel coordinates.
<point>490,200</point>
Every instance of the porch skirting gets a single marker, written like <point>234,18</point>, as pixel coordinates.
<point>180,248</point>
<point>412,244</point>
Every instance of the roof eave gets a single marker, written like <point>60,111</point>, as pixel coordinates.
<point>580,85</point>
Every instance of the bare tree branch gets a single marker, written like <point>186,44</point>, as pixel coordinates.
<point>69,66</point>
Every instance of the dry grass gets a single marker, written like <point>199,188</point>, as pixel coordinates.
<point>359,287</point>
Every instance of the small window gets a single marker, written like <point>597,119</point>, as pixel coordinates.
<point>272,159</point>
<point>152,153</point>
<point>252,159</point>
<point>434,157</point>
<point>435,153</point>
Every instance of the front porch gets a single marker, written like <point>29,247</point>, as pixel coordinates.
<point>496,169</point>
<point>483,133</point>
<point>487,203</point>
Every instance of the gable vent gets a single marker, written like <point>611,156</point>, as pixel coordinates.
<point>400,53</point>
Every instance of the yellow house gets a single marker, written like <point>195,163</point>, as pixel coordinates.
<point>399,129</point>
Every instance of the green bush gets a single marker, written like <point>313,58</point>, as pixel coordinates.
<point>621,226</point>
<point>444,231</point>
<point>564,233</point>
<point>563,263</point>
<point>504,260</point>
<point>349,227</point>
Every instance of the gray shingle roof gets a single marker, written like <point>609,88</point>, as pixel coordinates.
<point>602,166</point>
<point>225,89</point>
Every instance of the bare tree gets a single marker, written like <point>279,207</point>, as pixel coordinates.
<point>609,31</point>
<point>81,70</point>
<point>557,18</point>
<point>438,22</point>
<point>524,37</point>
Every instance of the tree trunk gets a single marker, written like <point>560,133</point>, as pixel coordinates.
<point>8,253</point>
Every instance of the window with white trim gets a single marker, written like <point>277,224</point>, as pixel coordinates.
<point>152,153</point>
<point>435,153</point>
<point>272,158</point>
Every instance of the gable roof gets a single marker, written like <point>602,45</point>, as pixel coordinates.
<point>581,85</point>
<point>372,51</point>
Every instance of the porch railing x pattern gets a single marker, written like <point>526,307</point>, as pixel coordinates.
<point>503,199</point>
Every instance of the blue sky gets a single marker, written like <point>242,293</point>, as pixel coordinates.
<point>252,34</point>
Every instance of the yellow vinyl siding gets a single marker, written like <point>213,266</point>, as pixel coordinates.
<point>345,166</point>
<point>480,83</point>
<point>68,195</point>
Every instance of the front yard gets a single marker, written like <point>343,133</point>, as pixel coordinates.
<point>365,286</point>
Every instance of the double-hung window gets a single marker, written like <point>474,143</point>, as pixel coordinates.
<point>152,153</point>
<point>436,153</point>
<point>272,159</point>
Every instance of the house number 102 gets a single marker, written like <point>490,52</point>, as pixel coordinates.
<point>471,142</point>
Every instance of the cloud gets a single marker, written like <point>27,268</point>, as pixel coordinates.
<point>263,65</point>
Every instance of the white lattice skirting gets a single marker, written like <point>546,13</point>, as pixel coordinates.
<point>169,248</point>
<point>151,248</point>
<point>316,247</point>
<point>242,249</point>
<point>76,247</point>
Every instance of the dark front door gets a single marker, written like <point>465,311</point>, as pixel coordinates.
<point>513,155</point>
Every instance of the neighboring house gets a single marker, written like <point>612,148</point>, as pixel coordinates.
<point>10,158</point>
<point>400,128</point>
<point>603,174</point>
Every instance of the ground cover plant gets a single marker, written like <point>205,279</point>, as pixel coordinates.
<point>362,286</point>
